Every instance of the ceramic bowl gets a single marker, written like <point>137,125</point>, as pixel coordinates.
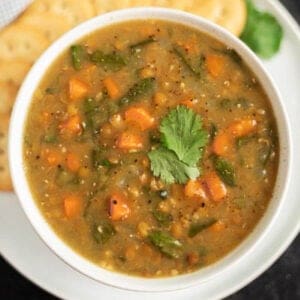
<point>16,139</point>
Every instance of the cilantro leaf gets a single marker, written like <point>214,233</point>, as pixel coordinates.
<point>166,165</point>
<point>262,33</point>
<point>182,132</point>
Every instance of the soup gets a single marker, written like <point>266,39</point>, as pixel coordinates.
<point>151,148</point>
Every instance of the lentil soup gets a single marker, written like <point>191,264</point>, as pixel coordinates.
<point>151,148</point>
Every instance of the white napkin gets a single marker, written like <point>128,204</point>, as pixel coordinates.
<point>10,9</point>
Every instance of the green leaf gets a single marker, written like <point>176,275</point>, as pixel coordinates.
<point>166,165</point>
<point>142,87</point>
<point>196,228</point>
<point>103,232</point>
<point>263,34</point>
<point>167,244</point>
<point>197,72</point>
<point>111,61</point>
<point>182,132</point>
<point>225,170</point>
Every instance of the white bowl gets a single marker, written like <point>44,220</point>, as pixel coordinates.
<point>36,218</point>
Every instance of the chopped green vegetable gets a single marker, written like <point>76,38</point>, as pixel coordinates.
<point>264,153</point>
<point>166,165</point>
<point>195,71</point>
<point>142,87</point>
<point>182,132</point>
<point>98,160</point>
<point>77,52</point>
<point>231,53</point>
<point>167,244</point>
<point>244,140</point>
<point>65,177</point>
<point>51,90</point>
<point>50,138</point>
<point>142,43</point>
<point>111,61</point>
<point>213,131</point>
<point>225,170</point>
<point>196,228</point>
<point>103,232</point>
<point>262,33</point>
<point>162,218</point>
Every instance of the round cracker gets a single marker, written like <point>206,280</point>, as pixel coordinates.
<point>14,70</point>
<point>73,12</point>
<point>49,25</point>
<point>230,14</point>
<point>8,92</point>
<point>5,181</point>
<point>20,41</point>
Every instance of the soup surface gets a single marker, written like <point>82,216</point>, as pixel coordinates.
<point>151,149</point>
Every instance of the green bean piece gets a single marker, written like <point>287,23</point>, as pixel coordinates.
<point>167,244</point>
<point>197,72</point>
<point>225,170</point>
<point>76,55</point>
<point>142,43</point>
<point>201,225</point>
<point>142,87</point>
<point>111,61</point>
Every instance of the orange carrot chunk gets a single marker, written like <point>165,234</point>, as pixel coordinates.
<point>242,127</point>
<point>216,188</point>
<point>222,143</point>
<point>77,89</point>
<point>118,207</point>
<point>72,125</point>
<point>129,141</point>
<point>112,88</point>
<point>139,116</point>
<point>215,64</point>
<point>73,162</point>
<point>195,189</point>
<point>72,206</point>
<point>217,227</point>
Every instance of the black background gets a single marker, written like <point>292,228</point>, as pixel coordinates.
<point>280,282</point>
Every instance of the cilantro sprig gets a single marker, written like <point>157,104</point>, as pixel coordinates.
<point>182,142</point>
<point>262,33</point>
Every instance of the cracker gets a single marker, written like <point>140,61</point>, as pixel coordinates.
<point>230,14</point>
<point>13,70</point>
<point>8,92</point>
<point>73,12</point>
<point>5,181</point>
<point>49,25</point>
<point>21,42</point>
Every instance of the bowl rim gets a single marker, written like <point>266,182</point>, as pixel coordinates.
<point>45,231</point>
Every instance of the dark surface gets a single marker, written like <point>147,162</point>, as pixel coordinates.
<point>280,282</point>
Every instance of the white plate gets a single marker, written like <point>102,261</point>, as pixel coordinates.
<point>22,248</point>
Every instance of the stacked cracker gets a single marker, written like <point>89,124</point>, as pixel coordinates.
<point>23,41</point>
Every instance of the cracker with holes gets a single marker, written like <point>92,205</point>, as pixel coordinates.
<point>5,181</point>
<point>230,14</point>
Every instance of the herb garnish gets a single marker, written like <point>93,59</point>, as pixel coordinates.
<point>182,142</point>
<point>263,33</point>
